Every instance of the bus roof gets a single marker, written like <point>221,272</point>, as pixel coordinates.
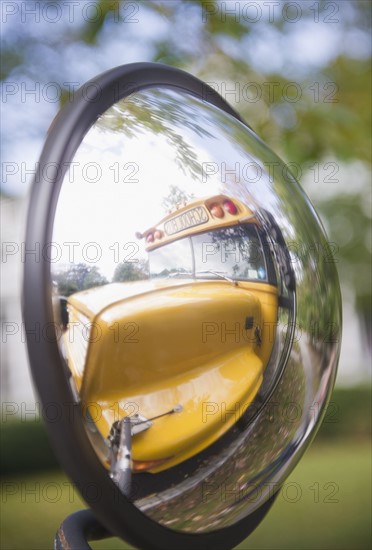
<point>195,217</point>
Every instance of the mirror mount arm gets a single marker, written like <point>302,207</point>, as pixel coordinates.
<point>79,528</point>
<point>121,471</point>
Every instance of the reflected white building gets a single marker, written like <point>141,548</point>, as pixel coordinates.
<point>16,385</point>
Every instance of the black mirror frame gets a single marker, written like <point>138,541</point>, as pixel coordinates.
<point>65,423</point>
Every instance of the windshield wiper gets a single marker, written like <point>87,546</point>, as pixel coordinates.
<point>219,274</point>
<point>179,273</point>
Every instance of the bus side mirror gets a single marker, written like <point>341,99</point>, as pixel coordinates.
<point>167,388</point>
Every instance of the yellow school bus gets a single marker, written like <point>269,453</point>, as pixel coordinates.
<point>182,354</point>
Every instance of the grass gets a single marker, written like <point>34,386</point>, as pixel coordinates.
<point>32,508</point>
<point>325,505</point>
<point>333,486</point>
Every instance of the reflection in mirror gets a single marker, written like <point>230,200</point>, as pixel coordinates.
<point>180,296</point>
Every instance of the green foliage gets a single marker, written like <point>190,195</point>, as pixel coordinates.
<point>142,115</point>
<point>349,222</point>
<point>78,277</point>
<point>348,415</point>
<point>25,447</point>
<point>176,197</point>
<point>126,272</point>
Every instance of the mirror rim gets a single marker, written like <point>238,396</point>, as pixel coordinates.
<point>66,432</point>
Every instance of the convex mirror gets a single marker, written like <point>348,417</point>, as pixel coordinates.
<point>190,309</point>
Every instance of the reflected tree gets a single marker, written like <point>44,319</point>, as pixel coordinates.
<point>78,277</point>
<point>242,243</point>
<point>176,197</point>
<point>142,113</point>
<point>126,272</point>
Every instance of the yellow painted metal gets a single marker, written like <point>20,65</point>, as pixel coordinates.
<point>157,344</point>
<point>213,396</point>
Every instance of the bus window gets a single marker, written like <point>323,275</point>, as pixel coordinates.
<point>172,260</point>
<point>235,252</point>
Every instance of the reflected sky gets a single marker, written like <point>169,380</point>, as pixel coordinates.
<point>128,170</point>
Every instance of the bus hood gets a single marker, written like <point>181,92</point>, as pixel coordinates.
<point>94,300</point>
<point>158,332</point>
<point>190,345</point>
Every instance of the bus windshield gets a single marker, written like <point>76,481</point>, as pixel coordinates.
<point>231,252</point>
